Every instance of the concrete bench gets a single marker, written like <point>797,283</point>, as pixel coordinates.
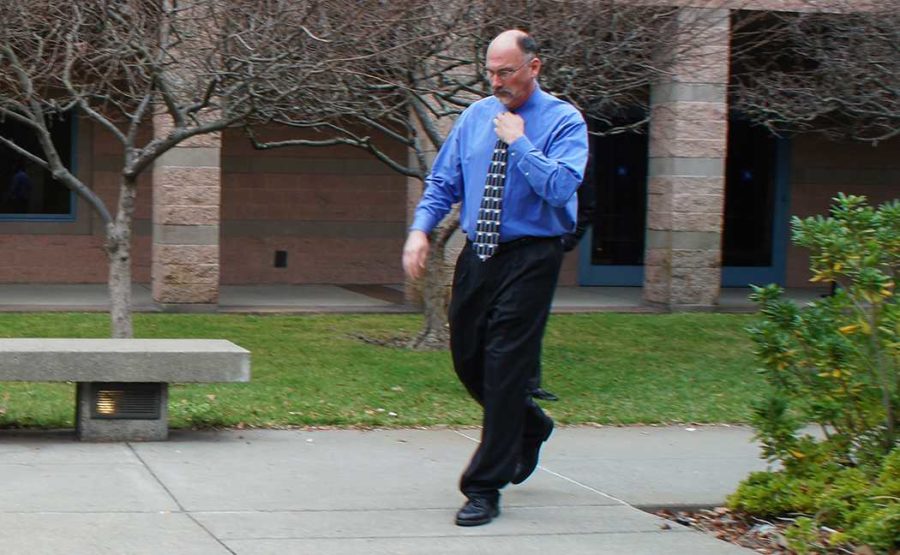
<point>122,384</point>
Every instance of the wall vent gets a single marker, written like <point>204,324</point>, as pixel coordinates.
<point>281,259</point>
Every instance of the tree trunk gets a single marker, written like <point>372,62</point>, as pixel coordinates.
<point>436,288</point>
<point>118,249</point>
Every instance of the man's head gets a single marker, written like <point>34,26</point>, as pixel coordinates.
<point>512,67</point>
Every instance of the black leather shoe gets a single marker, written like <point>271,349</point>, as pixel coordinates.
<point>477,511</point>
<point>528,460</point>
<point>543,395</point>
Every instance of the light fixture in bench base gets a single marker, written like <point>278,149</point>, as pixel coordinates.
<point>122,411</point>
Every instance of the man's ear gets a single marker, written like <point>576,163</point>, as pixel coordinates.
<point>535,66</point>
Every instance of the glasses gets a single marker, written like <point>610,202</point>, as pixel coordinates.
<point>505,73</point>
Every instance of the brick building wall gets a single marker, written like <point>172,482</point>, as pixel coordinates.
<point>341,219</point>
<point>72,252</point>
<point>820,169</point>
<point>337,212</point>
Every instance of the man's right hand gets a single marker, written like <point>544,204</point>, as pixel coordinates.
<point>415,253</point>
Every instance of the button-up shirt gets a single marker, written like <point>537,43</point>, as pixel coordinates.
<point>545,167</point>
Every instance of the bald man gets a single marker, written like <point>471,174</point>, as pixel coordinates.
<point>514,160</point>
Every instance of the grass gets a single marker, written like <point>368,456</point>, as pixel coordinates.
<point>309,370</point>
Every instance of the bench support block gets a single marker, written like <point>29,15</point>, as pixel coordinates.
<point>122,411</point>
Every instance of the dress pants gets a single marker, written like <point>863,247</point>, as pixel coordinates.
<point>498,312</point>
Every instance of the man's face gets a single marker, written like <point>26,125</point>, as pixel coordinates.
<point>512,75</point>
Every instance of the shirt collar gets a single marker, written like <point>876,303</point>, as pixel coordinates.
<point>532,99</point>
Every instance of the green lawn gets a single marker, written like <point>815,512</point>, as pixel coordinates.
<point>310,370</point>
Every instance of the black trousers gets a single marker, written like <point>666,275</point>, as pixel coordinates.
<point>498,312</point>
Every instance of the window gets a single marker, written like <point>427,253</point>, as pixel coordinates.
<point>28,191</point>
<point>618,171</point>
<point>749,195</point>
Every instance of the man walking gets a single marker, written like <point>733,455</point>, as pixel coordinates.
<point>514,160</point>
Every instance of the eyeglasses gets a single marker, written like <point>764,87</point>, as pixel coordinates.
<point>505,73</point>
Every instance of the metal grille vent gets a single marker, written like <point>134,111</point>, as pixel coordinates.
<point>133,401</point>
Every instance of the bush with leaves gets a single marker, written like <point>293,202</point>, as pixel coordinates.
<point>834,363</point>
<point>859,505</point>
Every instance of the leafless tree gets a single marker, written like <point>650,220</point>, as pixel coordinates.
<point>834,70</point>
<point>411,67</point>
<point>199,66</point>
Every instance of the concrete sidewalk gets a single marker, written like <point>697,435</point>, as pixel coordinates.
<point>336,492</point>
<point>336,298</point>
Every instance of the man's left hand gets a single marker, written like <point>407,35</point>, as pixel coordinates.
<point>509,127</point>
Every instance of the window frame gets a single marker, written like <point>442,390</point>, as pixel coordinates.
<point>72,215</point>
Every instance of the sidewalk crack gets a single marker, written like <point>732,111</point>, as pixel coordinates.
<point>177,502</point>
<point>566,478</point>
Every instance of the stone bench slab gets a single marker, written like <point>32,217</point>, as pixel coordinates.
<point>123,360</point>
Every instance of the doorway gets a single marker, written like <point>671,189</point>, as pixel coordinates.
<point>754,237</point>
<point>612,252</point>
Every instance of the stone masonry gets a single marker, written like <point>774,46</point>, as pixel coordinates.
<point>686,172</point>
<point>186,208</point>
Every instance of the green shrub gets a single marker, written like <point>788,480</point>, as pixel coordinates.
<point>803,537</point>
<point>834,363</point>
<point>862,503</point>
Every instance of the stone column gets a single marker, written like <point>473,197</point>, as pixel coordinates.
<point>686,174</point>
<point>186,208</point>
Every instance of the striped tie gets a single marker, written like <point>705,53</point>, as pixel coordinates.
<point>487,229</point>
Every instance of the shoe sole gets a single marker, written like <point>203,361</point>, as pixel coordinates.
<point>478,522</point>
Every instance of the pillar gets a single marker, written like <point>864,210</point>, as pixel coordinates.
<point>186,213</point>
<point>686,171</point>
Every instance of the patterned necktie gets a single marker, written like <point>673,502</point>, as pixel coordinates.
<point>487,229</point>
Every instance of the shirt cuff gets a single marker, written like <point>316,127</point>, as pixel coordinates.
<point>519,158</point>
<point>519,148</point>
<point>420,223</point>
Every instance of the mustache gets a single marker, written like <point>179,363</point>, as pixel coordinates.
<point>500,90</point>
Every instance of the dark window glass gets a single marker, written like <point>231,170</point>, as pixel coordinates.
<point>25,187</point>
<point>618,171</point>
<point>749,196</point>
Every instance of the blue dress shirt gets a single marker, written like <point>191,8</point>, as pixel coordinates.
<point>545,168</point>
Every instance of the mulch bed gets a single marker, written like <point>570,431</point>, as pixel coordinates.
<point>762,536</point>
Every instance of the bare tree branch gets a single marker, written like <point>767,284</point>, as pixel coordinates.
<point>834,72</point>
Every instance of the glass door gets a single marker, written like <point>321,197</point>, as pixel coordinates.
<point>754,237</point>
<point>612,252</point>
